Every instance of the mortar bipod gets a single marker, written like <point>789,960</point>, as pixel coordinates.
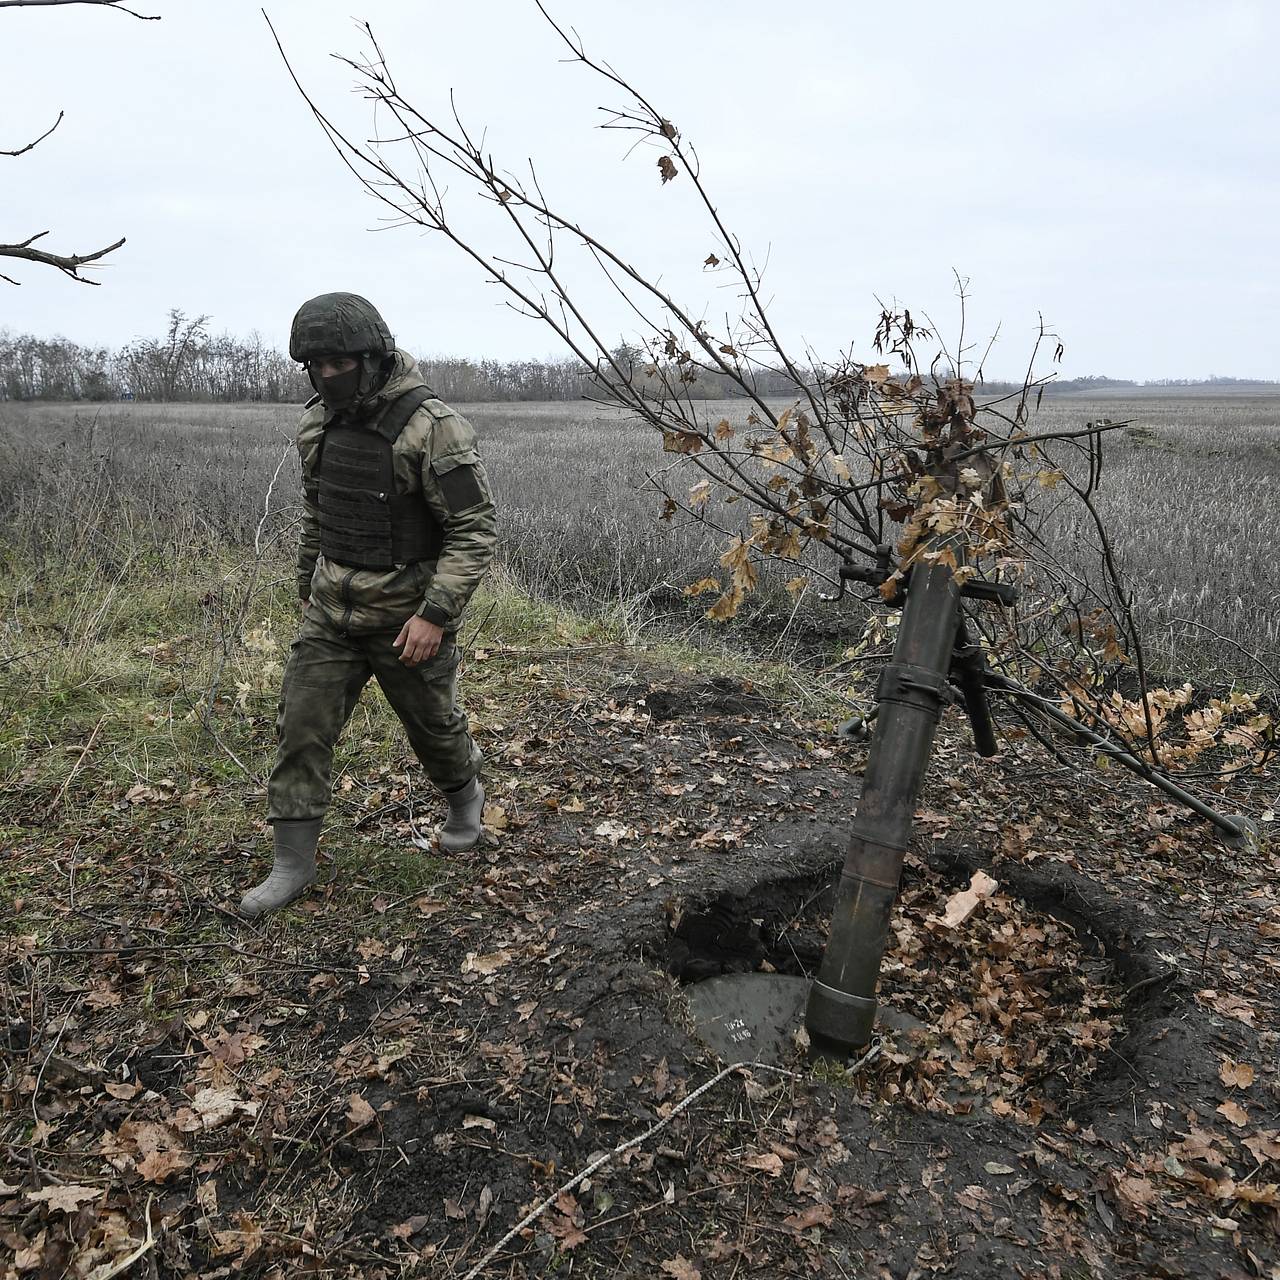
<point>967,667</point>
<point>971,679</point>
<point>1237,829</point>
<point>966,686</point>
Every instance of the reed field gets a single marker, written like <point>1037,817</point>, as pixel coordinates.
<point>124,496</point>
<point>147,604</point>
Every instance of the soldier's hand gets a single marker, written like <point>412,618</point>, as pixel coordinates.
<point>418,640</point>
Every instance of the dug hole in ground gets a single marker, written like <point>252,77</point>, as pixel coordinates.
<point>387,1078</point>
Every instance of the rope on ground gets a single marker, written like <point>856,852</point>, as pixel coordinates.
<point>534,1214</point>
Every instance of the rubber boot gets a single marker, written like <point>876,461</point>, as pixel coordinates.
<point>293,870</point>
<point>461,830</point>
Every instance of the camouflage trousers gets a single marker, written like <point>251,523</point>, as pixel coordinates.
<point>322,683</point>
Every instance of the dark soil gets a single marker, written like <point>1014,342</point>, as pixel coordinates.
<point>888,1190</point>
<point>529,1016</point>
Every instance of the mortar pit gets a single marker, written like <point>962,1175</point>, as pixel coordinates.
<point>1017,1009</point>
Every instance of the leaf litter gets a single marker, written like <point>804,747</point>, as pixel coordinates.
<point>391,1078</point>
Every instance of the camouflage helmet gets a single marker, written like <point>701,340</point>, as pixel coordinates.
<point>338,324</point>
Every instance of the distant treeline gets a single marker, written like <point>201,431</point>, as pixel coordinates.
<point>189,364</point>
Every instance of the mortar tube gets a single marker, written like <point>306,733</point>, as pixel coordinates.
<point>841,1009</point>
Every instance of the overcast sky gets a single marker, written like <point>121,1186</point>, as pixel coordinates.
<point>1111,166</point>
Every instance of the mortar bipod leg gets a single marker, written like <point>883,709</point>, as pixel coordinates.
<point>1238,830</point>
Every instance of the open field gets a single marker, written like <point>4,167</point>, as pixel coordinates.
<point>381,1081</point>
<point>1190,498</point>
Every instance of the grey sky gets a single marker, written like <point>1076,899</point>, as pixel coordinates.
<point>1112,166</point>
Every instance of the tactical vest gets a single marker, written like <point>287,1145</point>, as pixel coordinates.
<point>364,522</point>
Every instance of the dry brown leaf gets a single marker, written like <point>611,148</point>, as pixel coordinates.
<point>566,1230</point>
<point>1264,1146</point>
<point>487,964</point>
<point>495,818</point>
<point>1268,1195</point>
<point>245,1240</point>
<point>359,1113</point>
<point>160,1165</point>
<point>661,1080</point>
<point>1236,1075</point>
<point>1134,1193</point>
<point>207,1198</point>
<point>64,1199</point>
<point>1230,1006</point>
<point>233,1048</point>
<point>615,831</point>
<point>411,1226</point>
<point>680,1268</point>
<point>767,1163</point>
<point>103,996</point>
<point>146,1136</point>
<point>211,1107</point>
<point>681,442</point>
<point>1235,1113</point>
<point>816,1215</point>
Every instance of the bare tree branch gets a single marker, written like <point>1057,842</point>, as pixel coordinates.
<point>104,4</point>
<point>896,460</point>
<point>68,264</point>
<point>23,150</point>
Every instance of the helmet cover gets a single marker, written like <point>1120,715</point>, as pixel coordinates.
<point>338,324</point>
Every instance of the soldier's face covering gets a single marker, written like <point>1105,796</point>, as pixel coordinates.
<point>345,381</point>
<point>336,378</point>
<point>339,388</point>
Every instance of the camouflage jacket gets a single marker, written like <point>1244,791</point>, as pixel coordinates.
<point>434,441</point>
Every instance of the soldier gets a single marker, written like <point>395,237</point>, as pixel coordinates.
<point>397,531</point>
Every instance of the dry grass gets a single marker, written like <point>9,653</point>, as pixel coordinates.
<point>1190,500</point>
<point>1189,495</point>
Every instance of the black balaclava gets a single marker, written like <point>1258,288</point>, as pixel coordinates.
<point>338,392</point>
<point>344,391</point>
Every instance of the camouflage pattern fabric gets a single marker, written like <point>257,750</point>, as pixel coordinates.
<point>338,324</point>
<point>322,682</point>
<point>435,456</point>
